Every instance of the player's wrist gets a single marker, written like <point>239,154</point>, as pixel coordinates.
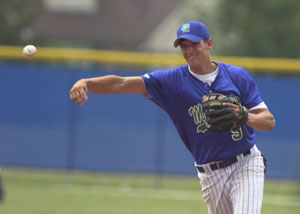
<point>251,119</point>
<point>84,83</point>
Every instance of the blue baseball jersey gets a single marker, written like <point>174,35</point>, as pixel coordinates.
<point>179,93</point>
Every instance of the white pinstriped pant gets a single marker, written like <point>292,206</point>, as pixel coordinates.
<point>236,189</point>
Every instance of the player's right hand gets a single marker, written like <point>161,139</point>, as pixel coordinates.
<point>78,93</point>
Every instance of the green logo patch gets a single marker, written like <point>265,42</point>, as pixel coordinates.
<point>185,28</point>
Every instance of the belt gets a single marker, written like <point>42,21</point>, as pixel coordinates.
<point>223,163</point>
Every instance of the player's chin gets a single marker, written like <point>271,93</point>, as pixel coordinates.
<point>191,60</point>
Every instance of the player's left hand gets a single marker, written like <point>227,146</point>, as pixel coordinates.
<point>236,108</point>
<point>78,93</point>
<point>224,113</point>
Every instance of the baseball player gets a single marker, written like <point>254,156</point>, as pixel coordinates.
<point>215,108</point>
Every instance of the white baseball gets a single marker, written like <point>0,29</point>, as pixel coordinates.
<point>29,51</point>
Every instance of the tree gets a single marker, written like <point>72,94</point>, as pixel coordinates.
<point>262,28</point>
<point>15,19</point>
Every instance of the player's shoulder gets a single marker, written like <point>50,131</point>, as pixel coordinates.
<point>180,70</point>
<point>176,71</point>
<point>232,69</point>
<point>235,72</point>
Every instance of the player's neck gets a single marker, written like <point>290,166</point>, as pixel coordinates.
<point>204,68</point>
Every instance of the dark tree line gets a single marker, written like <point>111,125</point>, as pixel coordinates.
<point>16,16</point>
<point>262,28</point>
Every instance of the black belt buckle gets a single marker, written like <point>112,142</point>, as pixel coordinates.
<point>218,165</point>
<point>223,164</point>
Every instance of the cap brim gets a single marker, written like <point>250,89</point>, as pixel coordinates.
<point>187,37</point>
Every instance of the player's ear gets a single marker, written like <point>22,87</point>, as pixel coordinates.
<point>209,43</point>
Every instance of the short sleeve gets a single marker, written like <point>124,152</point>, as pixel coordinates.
<point>161,86</point>
<point>250,96</point>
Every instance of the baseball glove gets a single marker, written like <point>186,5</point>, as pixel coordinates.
<point>220,118</point>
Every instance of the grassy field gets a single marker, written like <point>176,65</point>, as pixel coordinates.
<point>54,192</point>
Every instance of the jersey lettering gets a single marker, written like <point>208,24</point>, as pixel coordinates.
<point>200,120</point>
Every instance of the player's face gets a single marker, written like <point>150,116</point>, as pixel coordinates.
<point>195,53</point>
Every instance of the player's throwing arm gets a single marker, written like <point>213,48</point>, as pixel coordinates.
<point>110,84</point>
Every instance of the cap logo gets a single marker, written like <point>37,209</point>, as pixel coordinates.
<point>185,28</point>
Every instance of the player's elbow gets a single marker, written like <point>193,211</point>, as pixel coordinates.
<point>272,124</point>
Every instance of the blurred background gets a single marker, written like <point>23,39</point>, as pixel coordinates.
<point>41,129</point>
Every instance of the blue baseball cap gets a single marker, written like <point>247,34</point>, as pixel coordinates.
<point>194,31</point>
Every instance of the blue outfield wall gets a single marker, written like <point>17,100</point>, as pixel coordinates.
<point>41,127</point>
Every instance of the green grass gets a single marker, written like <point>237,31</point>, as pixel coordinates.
<point>54,192</point>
